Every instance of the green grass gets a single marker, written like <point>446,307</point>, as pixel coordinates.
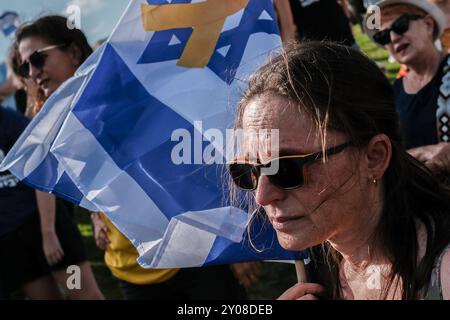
<point>276,277</point>
<point>375,53</point>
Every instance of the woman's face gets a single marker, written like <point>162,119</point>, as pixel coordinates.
<point>414,43</point>
<point>59,65</point>
<point>333,200</point>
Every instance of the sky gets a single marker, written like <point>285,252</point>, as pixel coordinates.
<point>98,17</point>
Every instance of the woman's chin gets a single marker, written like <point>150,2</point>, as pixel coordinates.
<point>405,58</point>
<point>291,243</point>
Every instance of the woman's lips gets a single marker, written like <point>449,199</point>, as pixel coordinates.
<point>402,48</point>
<point>283,224</point>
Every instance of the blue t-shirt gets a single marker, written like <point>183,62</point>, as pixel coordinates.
<point>17,201</point>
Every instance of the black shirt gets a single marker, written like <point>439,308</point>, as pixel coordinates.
<point>17,201</point>
<point>321,20</point>
<point>418,111</point>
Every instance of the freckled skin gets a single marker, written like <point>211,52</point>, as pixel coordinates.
<point>334,203</point>
<point>59,65</point>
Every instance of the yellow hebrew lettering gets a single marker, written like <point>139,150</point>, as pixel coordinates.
<point>206,18</point>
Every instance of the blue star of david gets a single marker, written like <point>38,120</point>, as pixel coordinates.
<point>160,48</point>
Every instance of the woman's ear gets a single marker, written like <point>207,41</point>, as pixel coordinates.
<point>378,156</point>
<point>431,25</point>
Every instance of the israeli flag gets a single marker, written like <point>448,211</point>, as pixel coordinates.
<point>9,22</point>
<point>104,140</point>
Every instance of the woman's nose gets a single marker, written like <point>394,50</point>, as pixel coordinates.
<point>267,193</point>
<point>34,72</point>
<point>394,36</point>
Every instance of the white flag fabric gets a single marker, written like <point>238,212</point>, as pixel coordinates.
<point>104,139</point>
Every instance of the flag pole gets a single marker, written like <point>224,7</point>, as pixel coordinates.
<point>301,272</point>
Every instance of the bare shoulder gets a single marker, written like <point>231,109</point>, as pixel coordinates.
<point>445,275</point>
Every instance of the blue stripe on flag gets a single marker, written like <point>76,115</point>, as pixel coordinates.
<point>263,245</point>
<point>135,130</point>
<point>159,48</point>
<point>44,178</point>
<point>226,67</point>
<point>9,30</point>
<point>8,14</point>
<point>107,135</point>
<point>8,22</point>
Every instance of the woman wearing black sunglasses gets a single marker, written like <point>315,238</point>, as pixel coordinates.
<point>377,221</point>
<point>408,31</point>
<point>50,52</point>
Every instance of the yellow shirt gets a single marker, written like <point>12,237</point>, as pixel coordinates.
<point>121,255</point>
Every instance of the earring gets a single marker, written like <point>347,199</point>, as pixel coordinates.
<point>375,181</point>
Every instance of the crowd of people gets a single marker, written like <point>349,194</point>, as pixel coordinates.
<point>364,184</point>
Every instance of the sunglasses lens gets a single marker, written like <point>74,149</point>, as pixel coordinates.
<point>289,175</point>
<point>382,37</point>
<point>37,60</point>
<point>401,25</point>
<point>24,70</point>
<point>244,175</point>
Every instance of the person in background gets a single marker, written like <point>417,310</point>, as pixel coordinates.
<point>315,20</point>
<point>47,54</point>
<point>285,21</point>
<point>137,283</point>
<point>24,90</point>
<point>33,95</point>
<point>408,31</point>
<point>358,10</point>
<point>29,261</point>
<point>7,87</point>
